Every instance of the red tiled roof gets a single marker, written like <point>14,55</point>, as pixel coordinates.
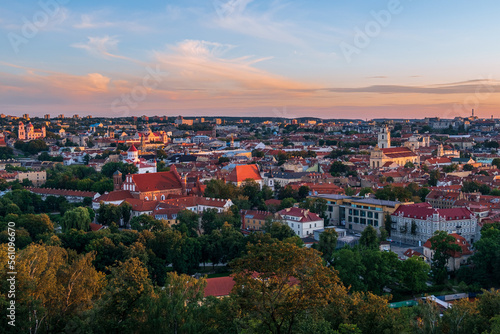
<point>118,195</point>
<point>411,253</point>
<point>420,212</point>
<point>132,149</point>
<point>219,286</point>
<point>241,173</point>
<point>305,215</point>
<point>95,227</point>
<point>141,205</point>
<point>460,241</point>
<point>156,181</point>
<point>398,152</point>
<point>62,192</point>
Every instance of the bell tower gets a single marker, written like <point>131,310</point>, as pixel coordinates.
<point>384,137</point>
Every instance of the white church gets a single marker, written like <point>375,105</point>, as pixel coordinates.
<point>142,165</point>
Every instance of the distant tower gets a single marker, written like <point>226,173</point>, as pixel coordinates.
<point>117,180</point>
<point>214,131</point>
<point>472,113</point>
<point>232,141</point>
<point>384,137</point>
<point>22,131</point>
<point>44,131</point>
<point>133,154</point>
<point>440,151</point>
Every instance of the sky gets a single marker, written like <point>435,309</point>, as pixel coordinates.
<point>324,58</point>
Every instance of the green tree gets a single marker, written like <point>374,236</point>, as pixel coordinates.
<point>173,309</point>
<point>278,230</point>
<point>350,267</point>
<point>77,218</point>
<point>328,243</point>
<point>338,168</point>
<point>409,164</point>
<point>277,283</point>
<point>124,304</point>
<point>415,273</point>
<point>496,162</point>
<point>369,238</point>
<point>442,245</point>
<point>108,213</point>
<point>468,167</point>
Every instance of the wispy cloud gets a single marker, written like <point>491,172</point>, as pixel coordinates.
<point>200,65</point>
<point>102,47</point>
<point>235,16</point>
<point>98,20</point>
<point>463,87</point>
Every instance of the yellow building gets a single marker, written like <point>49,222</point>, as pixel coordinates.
<point>383,155</point>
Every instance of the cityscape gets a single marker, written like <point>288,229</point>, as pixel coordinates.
<point>244,167</point>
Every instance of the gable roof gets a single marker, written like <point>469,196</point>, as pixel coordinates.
<point>422,212</point>
<point>460,241</point>
<point>219,286</point>
<point>243,172</point>
<point>305,216</point>
<point>156,181</point>
<point>398,152</point>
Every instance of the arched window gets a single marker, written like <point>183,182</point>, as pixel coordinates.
<point>146,198</point>
<point>162,197</point>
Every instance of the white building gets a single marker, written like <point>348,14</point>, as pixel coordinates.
<point>415,224</point>
<point>142,165</point>
<point>303,222</point>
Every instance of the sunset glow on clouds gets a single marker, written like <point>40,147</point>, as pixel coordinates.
<point>246,58</point>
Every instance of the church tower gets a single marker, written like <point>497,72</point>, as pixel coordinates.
<point>21,134</point>
<point>117,180</point>
<point>133,154</point>
<point>440,151</point>
<point>384,137</point>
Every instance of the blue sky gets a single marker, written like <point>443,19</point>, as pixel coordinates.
<point>243,57</point>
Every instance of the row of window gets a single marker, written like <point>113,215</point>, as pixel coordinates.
<point>363,221</point>
<point>363,213</point>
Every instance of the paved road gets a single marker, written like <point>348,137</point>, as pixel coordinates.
<point>399,249</point>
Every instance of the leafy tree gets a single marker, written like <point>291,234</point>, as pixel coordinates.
<point>124,305</point>
<point>145,222</point>
<point>125,211</point>
<point>369,238</point>
<point>365,191</point>
<point>450,168</point>
<point>209,221</point>
<point>287,203</point>
<point>277,283</point>
<point>415,273</point>
<point>108,213</point>
<point>381,269</point>
<point>468,167</point>
<point>173,309</point>
<point>409,164</point>
<point>36,225</point>
<point>350,267</point>
<point>77,218</point>
<point>338,168</point>
<point>160,154</point>
<point>442,245</point>
<point>303,192</point>
<point>188,222</point>
<point>435,175</point>
<point>328,243</point>
<point>111,167</point>
<point>496,162</point>
<point>486,260</point>
<point>278,230</point>
<point>223,160</point>
<point>52,288</point>
<point>251,189</point>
